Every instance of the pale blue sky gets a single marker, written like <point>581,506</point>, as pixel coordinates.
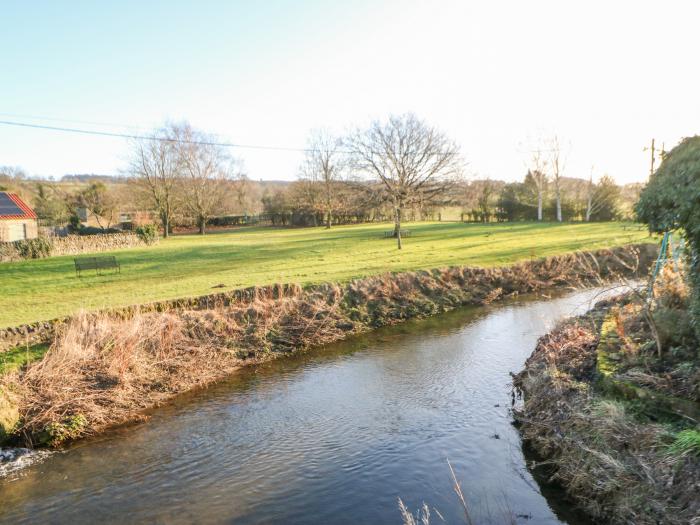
<point>605,76</point>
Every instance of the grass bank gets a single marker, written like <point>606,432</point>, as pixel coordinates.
<point>105,369</point>
<point>192,265</point>
<point>611,405</point>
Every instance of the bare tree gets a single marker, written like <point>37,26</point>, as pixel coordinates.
<point>98,200</point>
<point>538,172</point>
<point>12,172</point>
<point>205,168</point>
<point>488,188</point>
<point>603,199</point>
<point>155,162</point>
<point>324,164</point>
<point>243,190</point>
<point>414,161</point>
<point>557,162</point>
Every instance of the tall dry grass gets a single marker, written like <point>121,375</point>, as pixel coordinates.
<point>611,460</point>
<point>108,369</point>
<point>105,369</point>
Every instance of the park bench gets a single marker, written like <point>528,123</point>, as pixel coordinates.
<point>404,233</point>
<point>96,263</point>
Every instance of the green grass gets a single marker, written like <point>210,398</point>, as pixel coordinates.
<point>687,443</point>
<point>20,356</point>
<point>191,265</point>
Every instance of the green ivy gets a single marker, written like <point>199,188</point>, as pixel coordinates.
<point>671,201</point>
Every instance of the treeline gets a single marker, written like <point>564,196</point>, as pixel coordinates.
<point>581,200</point>
<point>398,169</point>
<point>109,204</point>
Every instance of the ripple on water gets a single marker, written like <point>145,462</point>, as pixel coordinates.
<point>12,460</point>
<point>333,435</point>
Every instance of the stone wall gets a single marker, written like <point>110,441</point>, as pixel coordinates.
<point>77,244</point>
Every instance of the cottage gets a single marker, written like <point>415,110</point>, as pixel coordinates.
<point>17,219</point>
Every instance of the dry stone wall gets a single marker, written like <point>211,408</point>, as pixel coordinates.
<point>77,244</point>
<point>73,245</point>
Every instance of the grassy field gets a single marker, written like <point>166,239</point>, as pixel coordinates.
<point>193,265</point>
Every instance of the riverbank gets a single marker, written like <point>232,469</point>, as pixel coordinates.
<point>187,266</point>
<point>611,406</point>
<point>371,417</point>
<point>106,369</point>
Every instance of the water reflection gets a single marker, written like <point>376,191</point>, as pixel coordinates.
<point>334,435</point>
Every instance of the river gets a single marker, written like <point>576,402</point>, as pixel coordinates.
<point>334,435</point>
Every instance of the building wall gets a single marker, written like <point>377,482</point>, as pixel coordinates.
<point>18,229</point>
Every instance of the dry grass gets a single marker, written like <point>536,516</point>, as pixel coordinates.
<point>616,465</point>
<point>106,369</point>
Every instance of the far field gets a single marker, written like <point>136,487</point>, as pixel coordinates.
<point>193,265</point>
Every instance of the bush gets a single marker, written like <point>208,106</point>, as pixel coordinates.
<point>34,248</point>
<point>671,201</point>
<point>74,223</point>
<point>26,249</point>
<point>92,230</point>
<point>148,233</point>
<point>8,252</point>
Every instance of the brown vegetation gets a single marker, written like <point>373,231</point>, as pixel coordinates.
<point>104,369</point>
<point>613,419</point>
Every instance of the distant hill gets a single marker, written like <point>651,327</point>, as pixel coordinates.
<point>87,177</point>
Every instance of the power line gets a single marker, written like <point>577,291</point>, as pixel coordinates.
<point>72,121</point>
<point>154,138</point>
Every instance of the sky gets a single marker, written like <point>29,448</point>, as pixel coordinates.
<point>499,77</point>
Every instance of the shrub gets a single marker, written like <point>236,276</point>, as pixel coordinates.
<point>228,220</point>
<point>72,427</point>
<point>671,201</point>
<point>8,252</point>
<point>74,223</point>
<point>34,248</point>
<point>148,233</point>
<point>92,230</point>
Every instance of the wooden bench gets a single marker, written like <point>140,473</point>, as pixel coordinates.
<point>96,263</point>
<point>404,233</point>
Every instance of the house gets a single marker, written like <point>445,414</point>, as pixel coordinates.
<point>92,220</point>
<point>17,220</point>
<point>117,220</point>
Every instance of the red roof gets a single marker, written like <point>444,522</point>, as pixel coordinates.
<point>27,212</point>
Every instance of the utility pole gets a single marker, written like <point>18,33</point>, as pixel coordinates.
<point>653,155</point>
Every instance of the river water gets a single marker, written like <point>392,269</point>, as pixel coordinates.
<point>334,435</point>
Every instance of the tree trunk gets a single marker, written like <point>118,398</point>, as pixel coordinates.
<point>397,226</point>
<point>166,226</point>
<point>588,210</point>
<point>202,224</point>
<point>328,220</point>
<point>589,206</point>
<point>539,205</point>
<point>559,217</point>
